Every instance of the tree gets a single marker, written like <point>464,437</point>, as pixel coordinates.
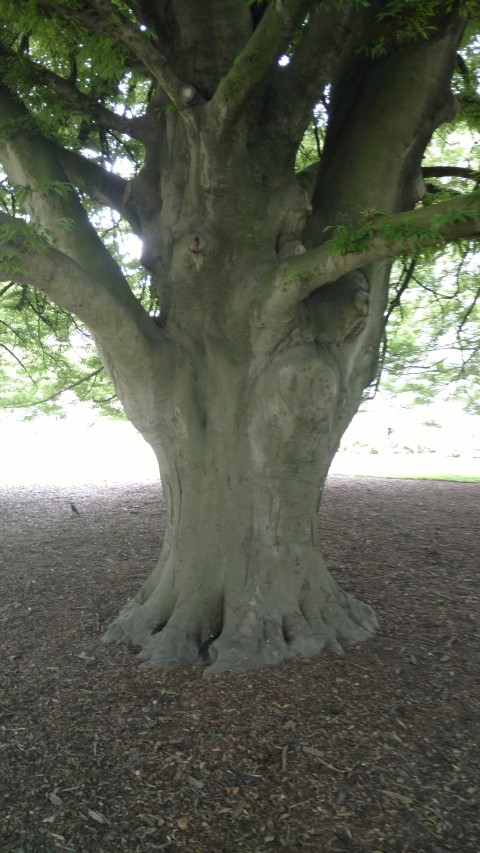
<point>431,348</point>
<point>271,296</point>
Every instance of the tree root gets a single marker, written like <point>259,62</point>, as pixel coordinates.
<point>250,637</point>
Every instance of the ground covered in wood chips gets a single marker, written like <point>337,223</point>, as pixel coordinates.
<point>373,752</point>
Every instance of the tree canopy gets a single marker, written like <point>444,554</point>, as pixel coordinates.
<point>86,74</point>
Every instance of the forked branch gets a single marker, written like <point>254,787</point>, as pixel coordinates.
<point>149,52</point>
<point>327,39</point>
<point>31,162</point>
<point>267,43</point>
<point>113,315</point>
<point>379,238</point>
<point>106,19</point>
<point>106,188</point>
<point>37,75</point>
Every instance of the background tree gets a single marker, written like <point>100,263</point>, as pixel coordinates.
<point>271,287</point>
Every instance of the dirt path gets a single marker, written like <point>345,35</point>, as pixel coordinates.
<point>374,752</point>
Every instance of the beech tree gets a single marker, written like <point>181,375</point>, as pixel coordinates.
<point>268,287</point>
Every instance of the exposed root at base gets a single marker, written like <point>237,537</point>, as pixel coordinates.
<point>250,637</point>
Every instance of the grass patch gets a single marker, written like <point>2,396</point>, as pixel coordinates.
<point>454,478</point>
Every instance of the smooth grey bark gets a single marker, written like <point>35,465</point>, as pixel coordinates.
<point>247,422</point>
<point>243,465</point>
<point>274,352</point>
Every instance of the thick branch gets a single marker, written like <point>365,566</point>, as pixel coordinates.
<point>306,177</point>
<point>326,34</point>
<point>383,237</point>
<point>88,21</point>
<point>109,21</point>
<point>36,74</point>
<point>327,39</point>
<point>202,45</point>
<point>106,188</point>
<point>145,12</point>
<point>106,20</point>
<point>451,172</point>
<point>372,155</point>
<point>269,40</point>
<point>31,161</point>
<point>114,316</point>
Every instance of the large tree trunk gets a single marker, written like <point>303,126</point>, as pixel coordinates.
<point>267,338</point>
<point>241,577</point>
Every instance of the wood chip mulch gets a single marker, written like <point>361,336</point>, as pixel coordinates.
<point>376,751</point>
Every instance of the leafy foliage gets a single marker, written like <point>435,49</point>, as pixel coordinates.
<point>432,339</point>
<point>432,343</point>
<point>47,356</point>
<point>82,87</point>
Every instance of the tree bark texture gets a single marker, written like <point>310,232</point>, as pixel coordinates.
<point>243,463</point>
<point>245,421</point>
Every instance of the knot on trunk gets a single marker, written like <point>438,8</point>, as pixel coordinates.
<point>197,245</point>
<point>187,94</point>
<point>289,249</point>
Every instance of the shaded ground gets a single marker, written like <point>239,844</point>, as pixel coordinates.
<point>374,752</point>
